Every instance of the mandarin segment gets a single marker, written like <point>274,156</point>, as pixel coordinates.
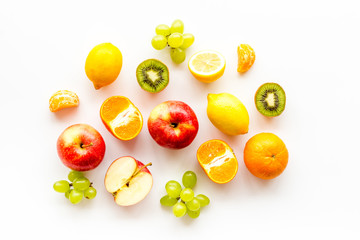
<point>121,117</point>
<point>218,161</point>
<point>265,155</point>
<point>63,99</point>
<point>246,57</point>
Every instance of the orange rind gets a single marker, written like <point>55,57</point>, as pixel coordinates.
<point>265,155</point>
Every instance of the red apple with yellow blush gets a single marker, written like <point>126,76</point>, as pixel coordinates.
<point>173,124</point>
<point>80,147</point>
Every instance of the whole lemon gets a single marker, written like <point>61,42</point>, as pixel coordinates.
<point>103,64</point>
<point>227,113</point>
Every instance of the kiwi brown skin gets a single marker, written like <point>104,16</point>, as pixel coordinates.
<point>147,84</point>
<point>280,99</point>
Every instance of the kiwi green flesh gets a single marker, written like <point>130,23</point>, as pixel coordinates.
<point>270,99</point>
<point>152,75</point>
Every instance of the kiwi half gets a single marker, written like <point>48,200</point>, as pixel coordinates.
<point>270,99</point>
<point>152,75</point>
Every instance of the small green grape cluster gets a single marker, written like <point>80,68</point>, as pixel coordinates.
<point>79,188</point>
<point>188,202</point>
<point>174,37</point>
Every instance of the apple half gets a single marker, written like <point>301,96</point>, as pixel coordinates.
<point>128,180</point>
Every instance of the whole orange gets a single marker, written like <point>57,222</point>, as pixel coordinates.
<point>265,155</point>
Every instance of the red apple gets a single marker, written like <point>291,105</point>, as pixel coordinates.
<point>80,147</point>
<point>173,124</point>
<point>128,180</point>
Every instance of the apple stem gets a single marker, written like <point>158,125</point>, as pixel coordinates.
<point>85,146</point>
<point>137,172</point>
<point>174,125</point>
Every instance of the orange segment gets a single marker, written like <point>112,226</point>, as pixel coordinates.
<point>218,161</point>
<point>121,117</point>
<point>63,99</point>
<point>246,57</point>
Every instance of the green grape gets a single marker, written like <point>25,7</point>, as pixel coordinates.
<point>173,188</point>
<point>75,196</point>
<point>162,29</point>
<point>188,40</point>
<point>193,205</point>
<point>179,209</point>
<point>177,55</point>
<point>61,186</point>
<point>175,40</point>
<point>74,175</point>
<point>159,42</point>
<point>204,200</point>
<point>67,194</point>
<point>187,194</point>
<point>189,179</point>
<point>177,27</point>
<point>193,214</point>
<point>81,183</point>
<point>168,201</point>
<point>90,193</point>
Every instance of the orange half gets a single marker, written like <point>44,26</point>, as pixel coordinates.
<point>121,117</point>
<point>218,161</point>
<point>63,99</point>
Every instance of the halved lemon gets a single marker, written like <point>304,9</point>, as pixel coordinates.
<point>207,66</point>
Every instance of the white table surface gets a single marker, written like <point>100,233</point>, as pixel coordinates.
<point>311,48</point>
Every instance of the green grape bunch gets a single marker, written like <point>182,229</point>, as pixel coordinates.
<point>78,188</point>
<point>183,200</point>
<point>175,38</point>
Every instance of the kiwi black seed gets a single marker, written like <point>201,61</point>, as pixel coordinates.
<point>270,99</point>
<point>152,75</point>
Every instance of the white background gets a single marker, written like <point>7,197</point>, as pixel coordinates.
<point>309,47</point>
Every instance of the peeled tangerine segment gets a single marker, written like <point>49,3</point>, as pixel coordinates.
<point>246,57</point>
<point>63,99</point>
<point>135,191</point>
<point>121,117</point>
<point>119,173</point>
<point>218,161</point>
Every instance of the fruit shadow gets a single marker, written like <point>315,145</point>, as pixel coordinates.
<point>203,87</point>
<point>130,145</point>
<point>134,211</point>
<point>65,113</point>
<point>254,184</point>
<point>264,119</point>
